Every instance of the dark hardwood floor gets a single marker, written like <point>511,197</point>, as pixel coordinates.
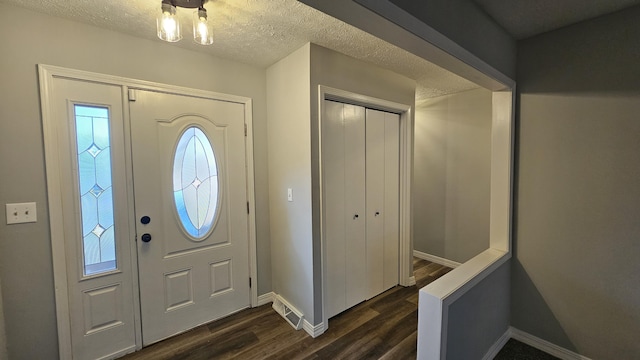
<point>381,328</point>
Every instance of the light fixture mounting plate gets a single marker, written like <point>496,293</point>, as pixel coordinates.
<point>189,4</point>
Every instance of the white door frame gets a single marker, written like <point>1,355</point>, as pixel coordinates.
<point>405,251</point>
<point>47,74</point>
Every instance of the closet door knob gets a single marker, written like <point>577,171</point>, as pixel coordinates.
<point>146,237</point>
<point>377,213</point>
<point>355,216</point>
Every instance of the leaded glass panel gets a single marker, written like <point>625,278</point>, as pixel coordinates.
<point>195,182</point>
<point>95,186</point>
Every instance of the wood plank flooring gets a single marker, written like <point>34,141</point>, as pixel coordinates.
<point>381,328</point>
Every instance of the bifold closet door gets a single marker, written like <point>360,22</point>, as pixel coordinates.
<point>382,200</point>
<point>343,158</point>
<point>360,159</point>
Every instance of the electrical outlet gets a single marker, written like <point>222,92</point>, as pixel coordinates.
<point>21,213</point>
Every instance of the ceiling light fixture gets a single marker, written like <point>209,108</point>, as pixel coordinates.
<point>168,25</point>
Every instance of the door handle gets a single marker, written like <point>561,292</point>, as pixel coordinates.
<point>355,216</point>
<point>377,213</point>
<point>145,220</point>
<point>146,237</point>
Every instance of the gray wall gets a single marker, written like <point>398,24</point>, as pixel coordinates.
<point>293,160</point>
<point>452,174</point>
<point>479,317</point>
<point>575,273</point>
<point>25,249</point>
<point>339,71</point>
<point>289,167</point>
<point>466,24</point>
<point>330,68</point>
<point>3,338</point>
<point>470,27</point>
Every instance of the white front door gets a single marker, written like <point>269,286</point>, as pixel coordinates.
<point>148,209</point>
<point>190,188</point>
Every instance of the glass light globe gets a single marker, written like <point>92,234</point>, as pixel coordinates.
<point>202,29</point>
<point>168,25</point>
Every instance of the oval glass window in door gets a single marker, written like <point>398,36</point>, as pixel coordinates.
<point>195,183</point>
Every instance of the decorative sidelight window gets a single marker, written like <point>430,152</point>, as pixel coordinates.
<point>96,192</point>
<point>195,183</point>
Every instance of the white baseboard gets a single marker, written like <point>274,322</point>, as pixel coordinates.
<point>266,298</point>
<point>499,344</point>
<point>533,341</point>
<point>545,346</point>
<point>412,280</point>
<point>435,259</point>
<point>313,331</point>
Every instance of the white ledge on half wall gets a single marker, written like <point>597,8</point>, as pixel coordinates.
<point>435,298</point>
<point>465,276</point>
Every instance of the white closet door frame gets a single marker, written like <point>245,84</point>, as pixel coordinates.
<point>47,73</point>
<point>405,260</point>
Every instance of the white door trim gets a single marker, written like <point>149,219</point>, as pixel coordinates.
<point>405,252</point>
<point>47,73</point>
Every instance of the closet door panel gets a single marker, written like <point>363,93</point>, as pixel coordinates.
<point>355,192</point>
<point>360,160</point>
<point>391,200</point>
<point>334,205</point>
<point>375,183</point>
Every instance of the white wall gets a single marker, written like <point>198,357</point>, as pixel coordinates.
<point>25,249</point>
<point>452,174</point>
<point>289,167</point>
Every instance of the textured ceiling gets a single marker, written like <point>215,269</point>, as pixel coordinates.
<point>258,32</point>
<point>526,18</point>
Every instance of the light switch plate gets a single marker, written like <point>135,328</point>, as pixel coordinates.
<point>289,194</point>
<point>21,213</point>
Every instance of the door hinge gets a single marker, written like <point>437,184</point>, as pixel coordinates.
<point>132,94</point>
<point>245,129</point>
<point>249,282</point>
<point>247,207</point>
